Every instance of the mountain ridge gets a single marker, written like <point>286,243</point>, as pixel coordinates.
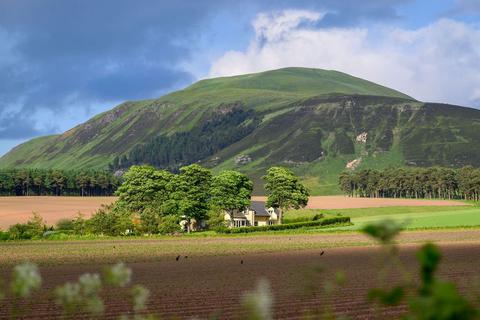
<point>308,119</point>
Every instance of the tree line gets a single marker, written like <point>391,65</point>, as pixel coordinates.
<point>46,182</point>
<point>183,148</point>
<point>431,183</point>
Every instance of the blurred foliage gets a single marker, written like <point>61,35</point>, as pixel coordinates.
<point>384,231</point>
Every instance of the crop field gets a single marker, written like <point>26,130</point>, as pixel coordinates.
<point>210,277</point>
<point>343,202</point>
<point>411,217</point>
<point>19,209</point>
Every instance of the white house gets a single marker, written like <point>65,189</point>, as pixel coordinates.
<point>255,215</point>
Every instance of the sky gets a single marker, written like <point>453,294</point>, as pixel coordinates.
<point>64,61</point>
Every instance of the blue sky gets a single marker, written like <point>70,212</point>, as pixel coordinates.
<point>63,61</point>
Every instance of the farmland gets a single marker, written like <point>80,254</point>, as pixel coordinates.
<point>210,277</point>
<point>411,217</point>
<point>206,273</point>
<point>19,209</point>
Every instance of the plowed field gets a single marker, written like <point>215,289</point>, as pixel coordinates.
<point>204,283</point>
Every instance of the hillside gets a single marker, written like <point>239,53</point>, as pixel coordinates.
<point>315,121</point>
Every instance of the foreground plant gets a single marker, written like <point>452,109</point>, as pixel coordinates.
<point>259,303</point>
<point>25,280</point>
<point>427,299</point>
<point>81,296</point>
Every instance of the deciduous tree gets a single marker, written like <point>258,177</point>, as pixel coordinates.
<point>231,190</point>
<point>284,190</point>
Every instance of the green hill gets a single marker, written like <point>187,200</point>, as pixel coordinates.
<point>307,119</point>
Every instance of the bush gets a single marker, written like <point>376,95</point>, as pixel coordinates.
<point>215,219</point>
<point>65,224</point>
<point>33,229</point>
<point>19,231</point>
<point>79,224</point>
<point>302,218</point>
<point>168,224</point>
<point>221,229</point>
<point>112,221</point>
<point>4,236</point>
<point>57,235</point>
<point>149,221</point>
<point>316,223</point>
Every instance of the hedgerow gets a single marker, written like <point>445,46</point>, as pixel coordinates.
<point>287,226</point>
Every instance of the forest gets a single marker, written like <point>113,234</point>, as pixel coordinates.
<point>409,182</point>
<point>42,182</point>
<point>182,148</point>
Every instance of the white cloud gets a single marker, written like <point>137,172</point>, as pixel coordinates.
<point>274,26</point>
<point>439,62</point>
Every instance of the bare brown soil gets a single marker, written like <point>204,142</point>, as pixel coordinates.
<point>206,279</point>
<point>19,209</point>
<point>202,285</point>
<point>342,202</point>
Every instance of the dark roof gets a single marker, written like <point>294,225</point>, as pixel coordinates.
<point>259,208</point>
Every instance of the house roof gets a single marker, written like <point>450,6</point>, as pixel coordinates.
<point>259,208</point>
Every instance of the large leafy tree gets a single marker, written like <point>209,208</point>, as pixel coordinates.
<point>231,190</point>
<point>284,190</point>
<point>142,186</point>
<point>191,193</point>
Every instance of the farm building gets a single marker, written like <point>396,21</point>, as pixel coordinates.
<point>256,215</point>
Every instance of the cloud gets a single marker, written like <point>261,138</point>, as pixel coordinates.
<point>274,27</point>
<point>71,59</point>
<point>438,62</point>
<point>60,61</point>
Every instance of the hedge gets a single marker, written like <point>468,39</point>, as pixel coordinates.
<point>296,225</point>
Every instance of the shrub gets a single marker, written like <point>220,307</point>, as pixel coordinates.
<point>215,219</point>
<point>318,216</point>
<point>36,225</point>
<point>79,224</point>
<point>168,224</point>
<point>149,221</point>
<point>4,236</point>
<point>297,225</point>
<point>33,229</point>
<point>112,221</point>
<point>65,224</point>
<point>19,231</point>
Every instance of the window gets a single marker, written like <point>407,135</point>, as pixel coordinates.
<point>240,223</point>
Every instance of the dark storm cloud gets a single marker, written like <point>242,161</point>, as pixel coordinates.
<point>115,50</point>
<point>17,127</point>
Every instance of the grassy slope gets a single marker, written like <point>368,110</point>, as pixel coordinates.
<point>304,111</point>
<point>95,143</point>
<point>413,217</point>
